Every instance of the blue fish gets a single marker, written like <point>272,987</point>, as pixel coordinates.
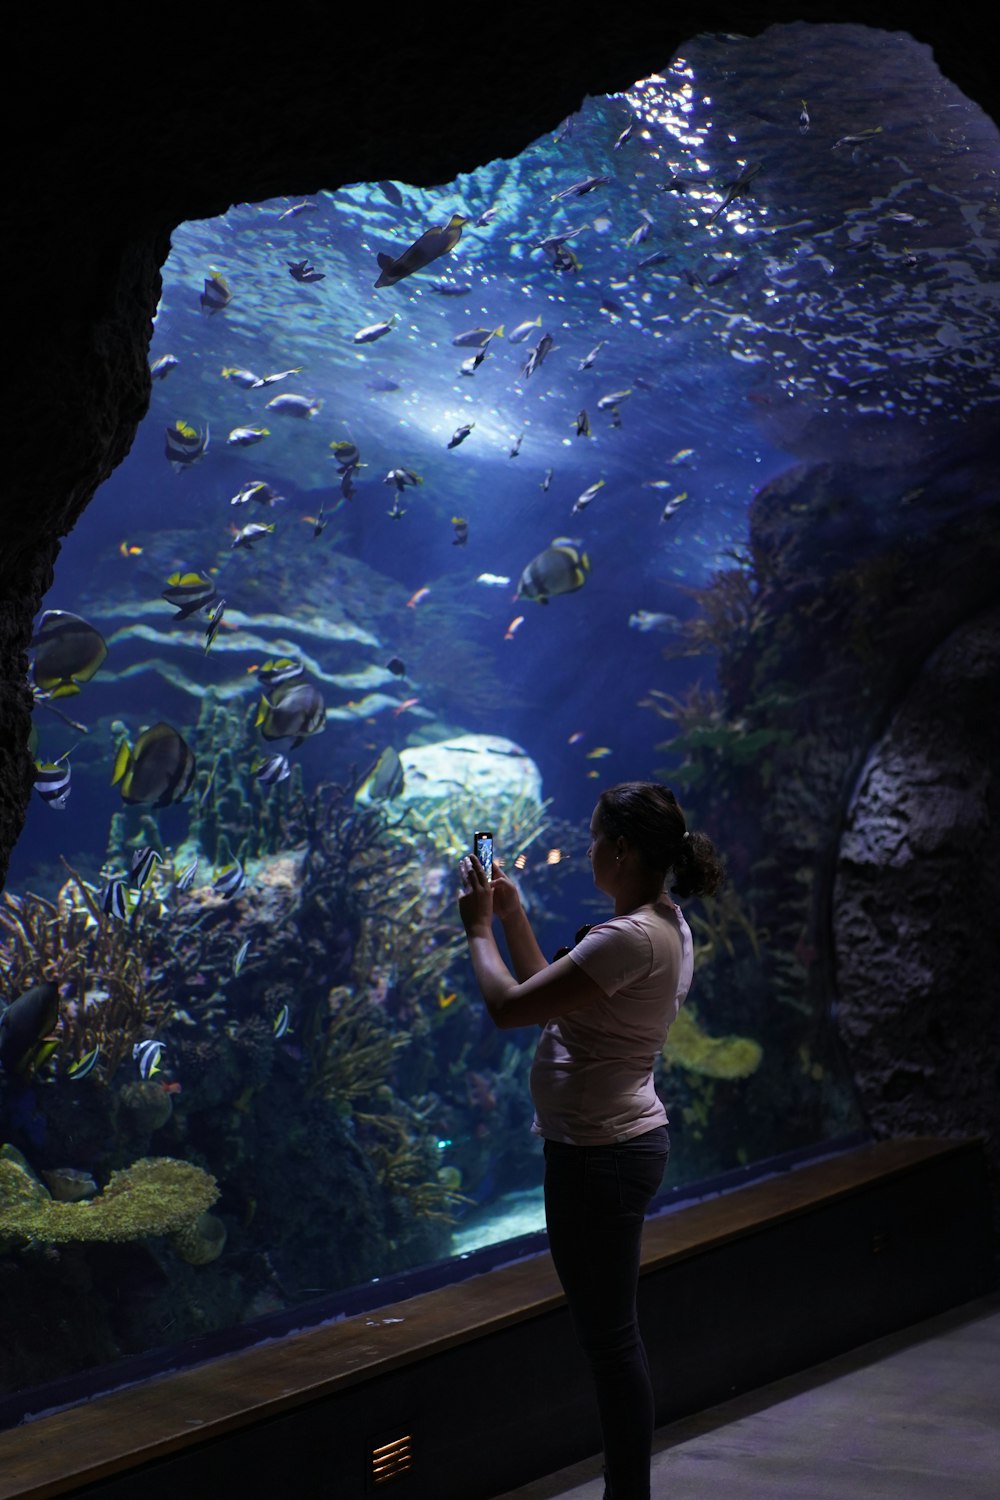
<point>147,1055</point>
<point>230,880</point>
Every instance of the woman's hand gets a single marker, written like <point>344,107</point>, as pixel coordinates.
<point>506,898</point>
<point>475,904</point>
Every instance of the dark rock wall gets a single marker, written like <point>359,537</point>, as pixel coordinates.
<point>133,121</point>
<point>915,924</point>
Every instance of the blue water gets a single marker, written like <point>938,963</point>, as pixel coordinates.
<point>841,307</point>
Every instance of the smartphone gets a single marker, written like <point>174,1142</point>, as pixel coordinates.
<point>482,848</point>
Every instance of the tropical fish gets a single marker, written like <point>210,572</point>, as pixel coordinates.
<point>280,670</point>
<point>147,1055</point>
<point>487,216</point>
<point>513,627</point>
<point>293,211</point>
<point>560,569</point>
<point>282,1022</point>
<point>185,445</point>
<point>477,338</point>
<point>566,259</point>
<point>736,188</point>
<point>159,770</point>
<point>256,490</point>
<point>582,501</point>
<point>397,512</point>
<point>646,620</point>
<point>598,752</point>
<point>319,523</point>
<point>523,330</point>
<point>576,737</point>
<point>160,368</point>
<point>461,526</point>
<point>673,505</point>
<point>68,652</point>
<point>216,294</point>
<point>272,768</point>
<point>406,704</point>
<point>289,405</point>
<point>247,535</point>
<point>516,447</point>
<point>494,580</point>
<point>125,549</point>
<point>547,479</point>
<point>142,865</point>
<point>432,244</point>
<point>396,666</point>
<point>83,1065</point>
<point>582,424</point>
<point>451,288</point>
<point>613,399</point>
<point>346,453</point>
<point>385,779</point>
<point>230,881</point>
<point>681,456</point>
<point>188,592</point>
<point>417,598</point>
<point>578,189</point>
<point>185,879</point>
<point>301,270</point>
<point>279,375</point>
<point>545,344</point>
<point>52,783</point>
<point>214,621</point>
<point>460,434</point>
<point>588,359</point>
<point>245,437</point>
<point>240,957</point>
<point>114,898</point>
<point>382,383</point>
<point>658,258</point>
<point>401,478</point>
<point>471,365</point>
<point>374,331</point>
<point>24,1025</point>
<point>445,998</point>
<point>297,713</point>
<point>248,379</point>
<point>625,136</point>
<point>392,193</point>
<point>854,140</point>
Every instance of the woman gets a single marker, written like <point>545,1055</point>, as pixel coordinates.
<point>605,1009</point>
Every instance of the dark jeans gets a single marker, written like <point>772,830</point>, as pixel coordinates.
<point>595,1201</point>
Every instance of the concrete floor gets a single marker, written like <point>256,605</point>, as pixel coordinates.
<point>914,1416</point>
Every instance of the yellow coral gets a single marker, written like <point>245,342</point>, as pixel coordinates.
<point>156,1195</point>
<point>713,1056</point>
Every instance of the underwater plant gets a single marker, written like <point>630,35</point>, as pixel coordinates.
<point>690,1047</point>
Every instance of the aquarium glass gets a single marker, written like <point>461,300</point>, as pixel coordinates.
<point>389,566</point>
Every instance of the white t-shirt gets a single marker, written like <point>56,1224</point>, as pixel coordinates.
<point>592,1077</point>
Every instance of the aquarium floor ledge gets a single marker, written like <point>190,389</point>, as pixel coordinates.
<point>175,1412</point>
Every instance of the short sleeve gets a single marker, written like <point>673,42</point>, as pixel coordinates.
<point>614,955</point>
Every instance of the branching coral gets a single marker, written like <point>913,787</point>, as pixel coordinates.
<point>730,611</point>
<point>351,1050</point>
<point>156,1195</point>
<point>403,1170</point>
<point>106,965</point>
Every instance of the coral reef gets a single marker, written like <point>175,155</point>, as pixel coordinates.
<point>155,1195</point>
<point>689,1047</point>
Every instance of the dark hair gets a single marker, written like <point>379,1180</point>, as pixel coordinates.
<point>647,815</point>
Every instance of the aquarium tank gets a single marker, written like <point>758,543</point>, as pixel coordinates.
<point>452,507</point>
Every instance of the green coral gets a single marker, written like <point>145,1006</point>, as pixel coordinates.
<point>688,1046</point>
<point>155,1195</point>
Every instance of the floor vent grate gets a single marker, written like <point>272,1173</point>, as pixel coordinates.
<point>390,1459</point>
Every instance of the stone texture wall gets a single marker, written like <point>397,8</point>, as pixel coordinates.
<point>915,922</point>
